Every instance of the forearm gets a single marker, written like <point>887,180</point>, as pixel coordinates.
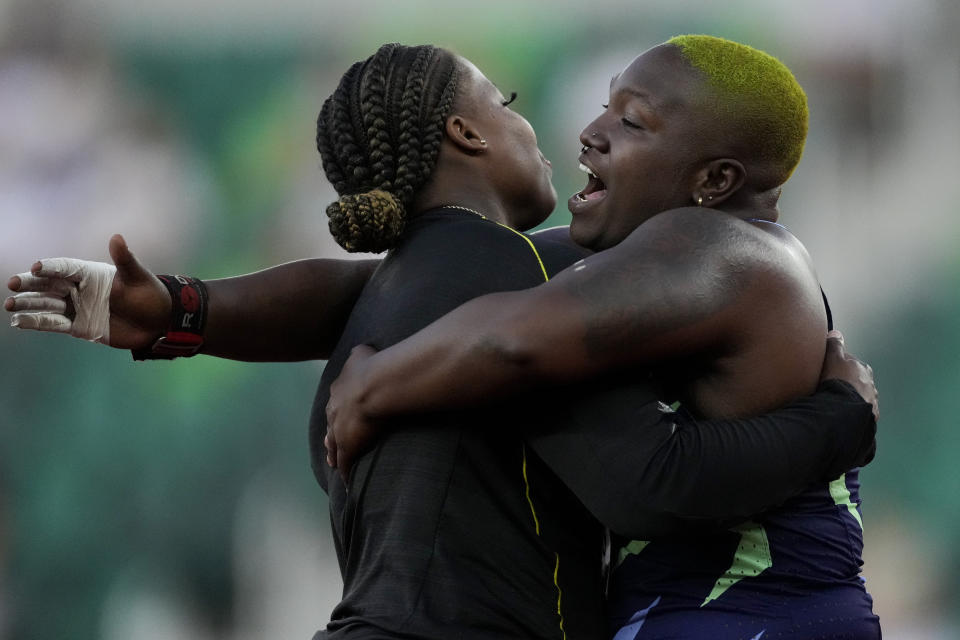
<point>294,311</point>
<point>489,348</point>
<point>645,473</point>
<point>622,308</point>
<point>732,469</point>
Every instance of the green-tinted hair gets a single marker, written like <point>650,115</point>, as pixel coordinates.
<point>760,92</point>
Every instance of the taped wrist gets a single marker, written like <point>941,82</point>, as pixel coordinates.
<point>188,316</point>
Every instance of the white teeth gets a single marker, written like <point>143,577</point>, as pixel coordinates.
<point>587,171</point>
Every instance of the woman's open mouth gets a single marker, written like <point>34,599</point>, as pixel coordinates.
<point>595,188</point>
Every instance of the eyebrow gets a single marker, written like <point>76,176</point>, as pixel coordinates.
<point>636,93</point>
<point>643,97</point>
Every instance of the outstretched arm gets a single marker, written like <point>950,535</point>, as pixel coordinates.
<point>293,311</point>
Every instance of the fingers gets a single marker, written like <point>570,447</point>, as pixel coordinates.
<point>86,284</point>
<point>68,268</point>
<point>36,301</point>
<point>129,268</point>
<point>119,251</point>
<point>42,322</point>
<point>30,282</point>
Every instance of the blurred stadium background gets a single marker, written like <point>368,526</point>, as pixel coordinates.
<point>175,500</point>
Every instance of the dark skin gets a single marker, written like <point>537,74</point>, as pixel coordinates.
<point>488,154</point>
<point>717,288</point>
<point>257,304</point>
<point>489,161</point>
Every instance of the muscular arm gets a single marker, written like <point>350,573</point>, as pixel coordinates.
<point>676,286</point>
<point>295,311</point>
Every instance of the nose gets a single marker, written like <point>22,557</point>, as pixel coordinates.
<point>592,136</point>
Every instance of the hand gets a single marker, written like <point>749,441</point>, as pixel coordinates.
<point>124,306</point>
<point>838,364</point>
<point>350,431</point>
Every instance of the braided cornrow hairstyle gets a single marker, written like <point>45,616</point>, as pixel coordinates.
<point>379,137</point>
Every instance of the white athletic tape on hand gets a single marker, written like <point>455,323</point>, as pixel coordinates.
<point>39,301</point>
<point>88,285</point>
<point>40,284</point>
<point>42,322</point>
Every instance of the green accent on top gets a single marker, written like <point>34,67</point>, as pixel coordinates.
<point>760,91</point>
<point>631,549</point>
<point>751,559</point>
<point>841,498</point>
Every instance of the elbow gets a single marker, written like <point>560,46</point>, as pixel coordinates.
<point>508,352</point>
<point>506,348</point>
<point>508,342</point>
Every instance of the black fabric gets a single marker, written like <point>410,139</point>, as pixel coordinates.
<point>646,471</point>
<point>436,537</point>
<point>826,305</point>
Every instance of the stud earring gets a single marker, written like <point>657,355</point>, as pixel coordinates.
<point>700,201</point>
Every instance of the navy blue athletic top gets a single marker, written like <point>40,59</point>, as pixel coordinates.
<point>791,572</point>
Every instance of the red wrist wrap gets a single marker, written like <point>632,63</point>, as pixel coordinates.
<point>184,336</point>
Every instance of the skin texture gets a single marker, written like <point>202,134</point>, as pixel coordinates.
<point>272,315</point>
<point>489,159</point>
<point>487,143</point>
<point>715,290</point>
<point>276,314</point>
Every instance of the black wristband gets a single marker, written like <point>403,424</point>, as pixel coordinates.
<point>184,336</point>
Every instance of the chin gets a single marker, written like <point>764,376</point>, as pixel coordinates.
<point>536,215</point>
<point>583,237</point>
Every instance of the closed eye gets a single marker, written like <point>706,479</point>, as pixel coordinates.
<point>513,96</point>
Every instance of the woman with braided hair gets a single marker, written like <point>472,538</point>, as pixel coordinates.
<point>454,525</point>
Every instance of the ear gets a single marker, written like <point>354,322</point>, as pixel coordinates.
<point>464,135</point>
<point>718,180</point>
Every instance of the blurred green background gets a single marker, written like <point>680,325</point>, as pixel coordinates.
<point>174,500</point>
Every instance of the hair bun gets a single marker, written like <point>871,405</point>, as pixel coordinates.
<point>368,222</point>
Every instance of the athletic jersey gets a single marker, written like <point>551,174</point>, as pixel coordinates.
<point>452,527</point>
<point>791,572</point>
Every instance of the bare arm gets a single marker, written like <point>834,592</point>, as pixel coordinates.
<point>294,311</point>
<point>672,288</point>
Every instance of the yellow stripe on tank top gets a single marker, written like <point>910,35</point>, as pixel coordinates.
<point>526,481</point>
<point>536,527</point>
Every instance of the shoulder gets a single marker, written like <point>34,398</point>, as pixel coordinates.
<point>557,250</point>
<point>708,238</point>
<point>469,249</point>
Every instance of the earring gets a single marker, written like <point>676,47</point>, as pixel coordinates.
<point>482,141</point>
<point>700,201</point>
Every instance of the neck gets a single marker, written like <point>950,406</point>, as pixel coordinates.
<point>755,205</point>
<point>462,194</point>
